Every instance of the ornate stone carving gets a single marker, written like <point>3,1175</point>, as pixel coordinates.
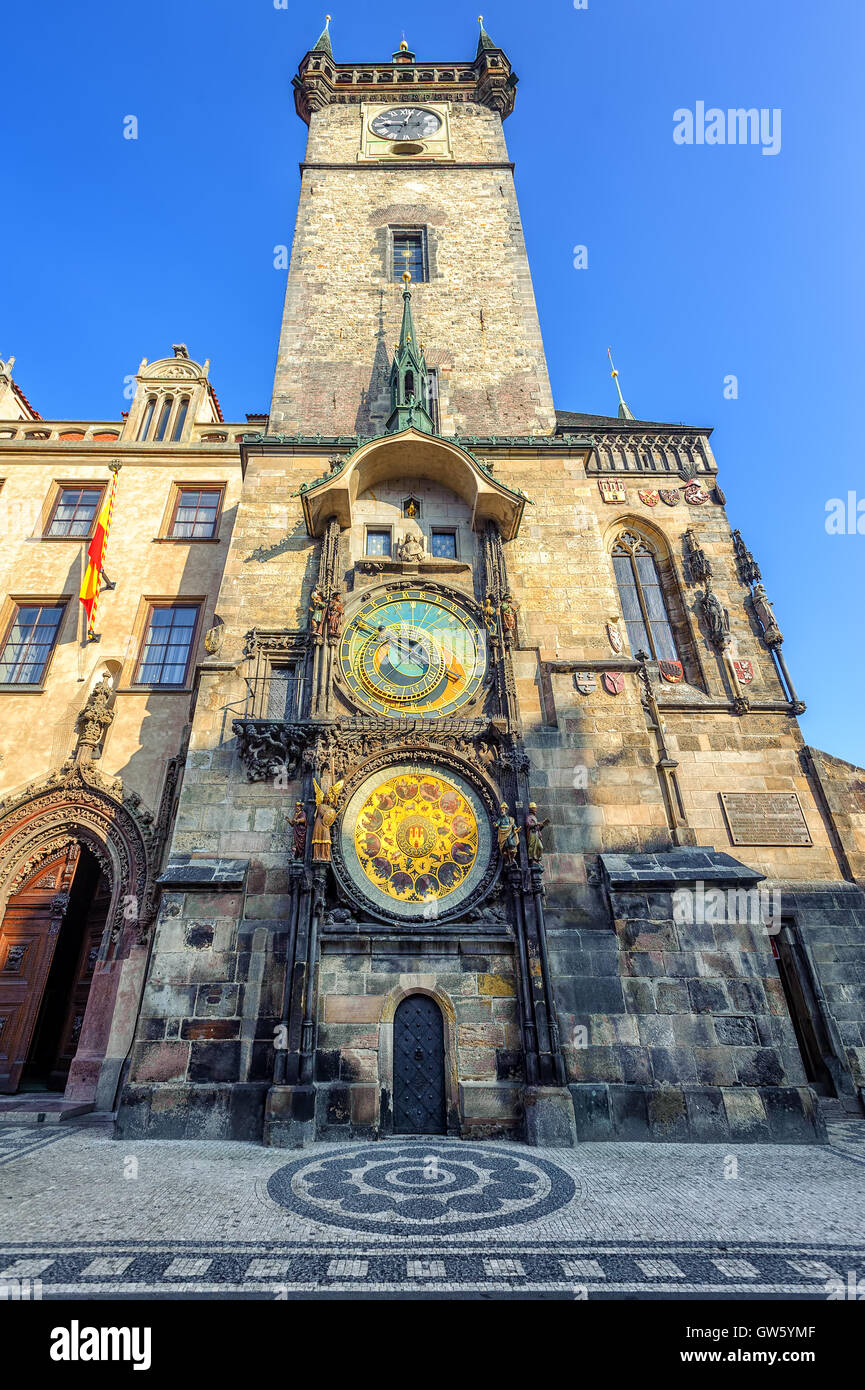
<point>749,570</point>
<point>411,550</point>
<point>772,635</point>
<point>699,564</point>
<point>79,804</point>
<point>96,717</point>
<point>717,618</point>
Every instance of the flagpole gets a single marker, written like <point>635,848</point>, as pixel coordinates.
<point>115,467</point>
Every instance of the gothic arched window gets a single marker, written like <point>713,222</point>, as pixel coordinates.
<point>642,597</point>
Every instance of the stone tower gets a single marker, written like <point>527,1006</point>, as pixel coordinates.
<point>407,155</point>
<point>496,818</point>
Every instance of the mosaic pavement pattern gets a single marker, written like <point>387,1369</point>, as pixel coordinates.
<point>83,1215</point>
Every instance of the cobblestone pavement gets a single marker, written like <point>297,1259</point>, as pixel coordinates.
<point>88,1216</point>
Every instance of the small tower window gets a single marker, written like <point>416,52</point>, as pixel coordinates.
<point>181,418</point>
<point>409,254</point>
<point>163,417</point>
<point>148,416</point>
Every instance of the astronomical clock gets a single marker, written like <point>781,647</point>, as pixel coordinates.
<point>413,653</point>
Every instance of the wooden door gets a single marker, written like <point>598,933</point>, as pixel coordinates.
<point>28,940</point>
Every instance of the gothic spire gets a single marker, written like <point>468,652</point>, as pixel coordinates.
<point>409,387</point>
<point>624,412</point>
<point>484,40</point>
<point>322,44</point>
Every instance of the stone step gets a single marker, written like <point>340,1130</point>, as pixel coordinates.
<point>39,1110</point>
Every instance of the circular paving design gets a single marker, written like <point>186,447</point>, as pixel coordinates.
<point>421,1186</point>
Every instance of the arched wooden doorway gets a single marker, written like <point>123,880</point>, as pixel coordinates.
<point>51,937</point>
<point>419,1067</point>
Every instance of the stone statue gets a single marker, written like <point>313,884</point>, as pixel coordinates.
<point>534,827</point>
<point>334,617</point>
<point>411,549</point>
<point>717,618</point>
<point>326,811</point>
<point>772,635</point>
<point>509,617</point>
<point>97,715</point>
<point>317,609</point>
<point>507,832</point>
<point>298,822</point>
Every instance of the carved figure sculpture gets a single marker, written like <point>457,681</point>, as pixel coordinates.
<point>534,827</point>
<point>410,549</point>
<point>326,811</point>
<point>317,610</point>
<point>772,635</point>
<point>717,618</point>
<point>334,617</point>
<point>298,822</point>
<point>507,832</point>
<point>509,617</point>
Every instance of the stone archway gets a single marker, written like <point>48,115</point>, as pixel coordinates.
<point>78,805</point>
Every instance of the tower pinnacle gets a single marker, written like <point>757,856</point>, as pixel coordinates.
<point>484,40</point>
<point>322,43</point>
<point>409,386</point>
<point>624,412</point>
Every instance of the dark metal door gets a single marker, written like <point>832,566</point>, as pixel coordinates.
<point>418,1067</point>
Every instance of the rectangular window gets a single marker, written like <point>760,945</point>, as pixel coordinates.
<point>196,514</point>
<point>75,512</point>
<point>409,253</point>
<point>29,643</point>
<point>444,545</point>
<point>282,692</point>
<point>378,542</point>
<point>167,648</point>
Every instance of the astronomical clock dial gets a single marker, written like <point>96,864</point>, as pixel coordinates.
<point>415,840</point>
<point>405,123</point>
<point>409,652</point>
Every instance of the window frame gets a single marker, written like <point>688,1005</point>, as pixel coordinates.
<point>620,550</point>
<point>150,607</point>
<point>377,529</point>
<point>56,501</point>
<point>397,270</point>
<point>178,489</point>
<point>444,531</point>
<point>16,603</point>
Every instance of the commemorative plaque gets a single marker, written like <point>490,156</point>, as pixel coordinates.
<point>765,818</point>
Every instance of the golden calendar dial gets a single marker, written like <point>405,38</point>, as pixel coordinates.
<point>411,652</point>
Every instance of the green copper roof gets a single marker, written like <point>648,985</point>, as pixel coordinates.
<point>322,43</point>
<point>484,40</point>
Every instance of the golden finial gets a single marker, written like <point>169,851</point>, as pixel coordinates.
<point>406,277</point>
<point>613,373</point>
<point>480,19</point>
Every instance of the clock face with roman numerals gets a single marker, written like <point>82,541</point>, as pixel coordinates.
<point>409,652</point>
<point>405,123</point>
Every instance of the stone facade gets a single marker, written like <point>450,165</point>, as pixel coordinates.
<point>680,955</point>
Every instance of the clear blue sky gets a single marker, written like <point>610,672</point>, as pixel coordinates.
<point>703,261</point>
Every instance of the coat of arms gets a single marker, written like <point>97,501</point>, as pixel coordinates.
<point>695,494</point>
<point>615,638</point>
<point>671,671</point>
<point>744,672</point>
<point>612,490</point>
<point>585,681</point>
<point>649,495</point>
<point>614,682</point>
<point>670,495</point>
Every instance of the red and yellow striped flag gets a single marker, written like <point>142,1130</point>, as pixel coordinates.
<point>91,584</point>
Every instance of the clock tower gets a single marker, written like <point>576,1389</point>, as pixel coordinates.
<point>492,701</point>
<point>406,167</point>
